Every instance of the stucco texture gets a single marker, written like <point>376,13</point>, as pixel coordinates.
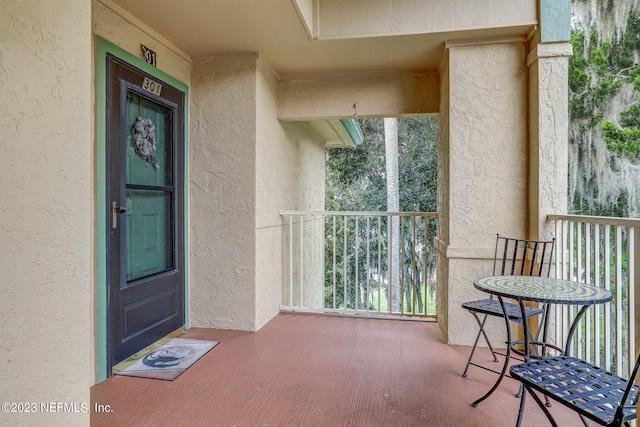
<point>487,164</point>
<point>245,167</point>
<point>222,192</point>
<point>290,175</point>
<point>548,134</point>
<point>442,266</point>
<point>46,159</point>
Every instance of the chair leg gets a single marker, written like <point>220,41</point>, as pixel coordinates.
<point>535,338</point>
<point>546,398</point>
<point>507,357</point>
<point>475,343</point>
<point>523,397</point>
<point>586,423</point>
<point>540,404</point>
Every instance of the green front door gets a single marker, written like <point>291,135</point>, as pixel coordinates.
<point>145,127</point>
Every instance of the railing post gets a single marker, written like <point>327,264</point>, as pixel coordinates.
<point>597,282</point>
<point>634,289</point>
<point>390,272</point>
<point>344,264</point>
<point>366,299</point>
<point>607,285</point>
<point>356,287</point>
<point>379,261</point>
<point>618,299</point>
<point>425,220</point>
<point>290,260</point>
<point>414,268</point>
<point>334,262</point>
<point>401,264</point>
<point>301,261</point>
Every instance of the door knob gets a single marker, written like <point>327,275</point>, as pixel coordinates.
<point>114,214</point>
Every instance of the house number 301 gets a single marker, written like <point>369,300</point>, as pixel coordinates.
<point>151,86</point>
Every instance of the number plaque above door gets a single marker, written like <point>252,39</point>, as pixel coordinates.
<point>149,55</point>
<point>151,86</point>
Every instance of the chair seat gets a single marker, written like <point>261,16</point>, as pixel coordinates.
<point>581,386</point>
<point>492,307</point>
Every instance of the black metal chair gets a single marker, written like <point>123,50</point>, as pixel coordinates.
<point>512,257</point>
<point>592,392</point>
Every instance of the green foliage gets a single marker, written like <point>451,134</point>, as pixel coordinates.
<point>623,142</point>
<point>356,181</point>
<point>598,70</point>
<point>356,178</point>
<point>595,78</point>
<point>625,49</point>
<point>631,117</point>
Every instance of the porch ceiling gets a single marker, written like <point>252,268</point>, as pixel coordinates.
<point>276,30</point>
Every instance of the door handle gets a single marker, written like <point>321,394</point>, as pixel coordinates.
<point>115,210</point>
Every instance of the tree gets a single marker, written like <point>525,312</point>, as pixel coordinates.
<point>625,140</point>
<point>356,180</point>
<point>393,205</point>
<point>604,93</point>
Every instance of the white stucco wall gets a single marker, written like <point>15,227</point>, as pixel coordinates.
<point>222,180</point>
<point>487,161</point>
<point>548,134</point>
<point>46,235</point>
<point>444,185</point>
<point>245,166</point>
<point>289,176</point>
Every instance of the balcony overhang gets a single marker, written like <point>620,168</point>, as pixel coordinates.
<point>305,37</point>
<point>338,133</point>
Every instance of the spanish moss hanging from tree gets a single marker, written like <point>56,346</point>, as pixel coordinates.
<point>604,108</point>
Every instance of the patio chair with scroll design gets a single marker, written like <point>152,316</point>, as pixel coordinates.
<point>520,257</point>
<point>594,393</point>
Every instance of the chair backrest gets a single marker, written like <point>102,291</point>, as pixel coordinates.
<point>521,257</point>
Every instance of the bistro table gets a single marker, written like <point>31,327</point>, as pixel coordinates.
<point>543,290</point>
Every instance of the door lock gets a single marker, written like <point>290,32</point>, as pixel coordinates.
<point>115,209</point>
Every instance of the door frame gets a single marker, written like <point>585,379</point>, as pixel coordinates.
<point>103,47</point>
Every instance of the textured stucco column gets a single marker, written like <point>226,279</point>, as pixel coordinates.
<point>245,167</point>
<point>289,176</point>
<point>548,134</point>
<point>482,172</point>
<point>222,176</point>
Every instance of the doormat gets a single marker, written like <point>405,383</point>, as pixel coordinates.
<point>166,362</point>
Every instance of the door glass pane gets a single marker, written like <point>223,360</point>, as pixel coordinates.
<point>149,231</point>
<point>148,127</point>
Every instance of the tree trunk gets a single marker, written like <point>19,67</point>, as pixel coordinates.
<point>393,205</point>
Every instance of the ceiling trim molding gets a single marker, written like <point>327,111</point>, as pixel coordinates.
<point>307,14</point>
<point>485,41</point>
<point>355,75</point>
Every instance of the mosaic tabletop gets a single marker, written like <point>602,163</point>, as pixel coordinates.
<point>543,289</point>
